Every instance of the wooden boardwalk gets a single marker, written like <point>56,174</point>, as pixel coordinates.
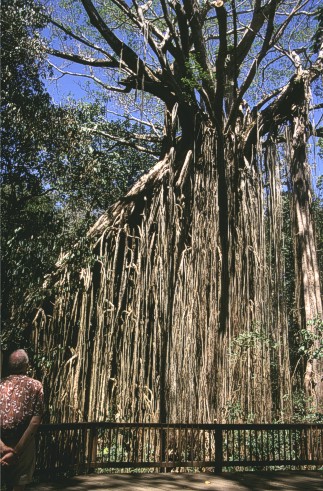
<point>252,481</point>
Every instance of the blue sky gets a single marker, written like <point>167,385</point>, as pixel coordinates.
<point>64,86</point>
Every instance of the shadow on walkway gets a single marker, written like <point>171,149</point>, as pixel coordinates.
<point>253,481</point>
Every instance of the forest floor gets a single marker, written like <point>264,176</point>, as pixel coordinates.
<point>255,481</point>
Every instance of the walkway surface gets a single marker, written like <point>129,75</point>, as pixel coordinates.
<point>255,481</point>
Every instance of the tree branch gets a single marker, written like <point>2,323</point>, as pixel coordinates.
<point>136,19</point>
<point>280,109</point>
<point>142,76</point>
<point>220,63</point>
<point>122,141</point>
<point>154,127</point>
<point>194,20</point>
<point>182,23</point>
<point>243,48</point>
<point>122,50</point>
<point>285,24</point>
<point>264,49</point>
<point>95,62</point>
<point>316,106</point>
<point>193,15</point>
<point>91,77</point>
<point>86,42</point>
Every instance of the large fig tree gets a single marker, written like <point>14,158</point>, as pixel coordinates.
<point>181,310</point>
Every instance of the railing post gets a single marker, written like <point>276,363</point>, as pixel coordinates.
<point>93,449</point>
<point>162,449</point>
<point>218,436</point>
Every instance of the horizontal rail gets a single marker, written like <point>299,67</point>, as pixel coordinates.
<point>85,447</point>
<point>206,426</point>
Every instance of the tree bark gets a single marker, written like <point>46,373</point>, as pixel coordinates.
<point>160,350</point>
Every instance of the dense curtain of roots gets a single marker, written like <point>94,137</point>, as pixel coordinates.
<point>136,337</point>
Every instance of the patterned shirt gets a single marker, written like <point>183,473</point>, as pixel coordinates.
<point>21,398</point>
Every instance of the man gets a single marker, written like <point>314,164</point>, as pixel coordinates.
<point>21,409</point>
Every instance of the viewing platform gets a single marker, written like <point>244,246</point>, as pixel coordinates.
<point>174,457</point>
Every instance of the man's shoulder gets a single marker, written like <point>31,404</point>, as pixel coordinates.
<point>3,381</point>
<point>34,382</point>
<point>8,379</point>
<point>31,386</point>
<point>20,380</point>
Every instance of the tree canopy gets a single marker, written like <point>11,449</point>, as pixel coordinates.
<point>194,53</point>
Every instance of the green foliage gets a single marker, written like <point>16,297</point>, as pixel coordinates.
<point>304,408</point>
<point>58,171</point>
<point>107,168</point>
<point>320,151</point>
<point>233,412</point>
<point>251,339</point>
<point>196,74</point>
<point>27,213</point>
<point>318,35</point>
<point>312,340</point>
<point>24,100</point>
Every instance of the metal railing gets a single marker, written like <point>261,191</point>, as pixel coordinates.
<point>83,447</point>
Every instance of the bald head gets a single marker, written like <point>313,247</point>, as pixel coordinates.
<point>18,362</point>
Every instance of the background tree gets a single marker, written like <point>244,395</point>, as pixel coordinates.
<point>60,168</point>
<point>27,210</point>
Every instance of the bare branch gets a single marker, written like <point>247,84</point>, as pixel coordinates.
<point>266,99</point>
<point>182,23</point>
<point>95,62</point>
<point>280,109</point>
<point>194,19</point>
<point>195,22</point>
<point>154,127</point>
<point>82,40</point>
<point>146,28</point>
<point>142,77</point>
<point>316,106</point>
<point>229,33</point>
<point>146,138</point>
<point>122,141</point>
<point>285,24</point>
<point>91,77</point>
